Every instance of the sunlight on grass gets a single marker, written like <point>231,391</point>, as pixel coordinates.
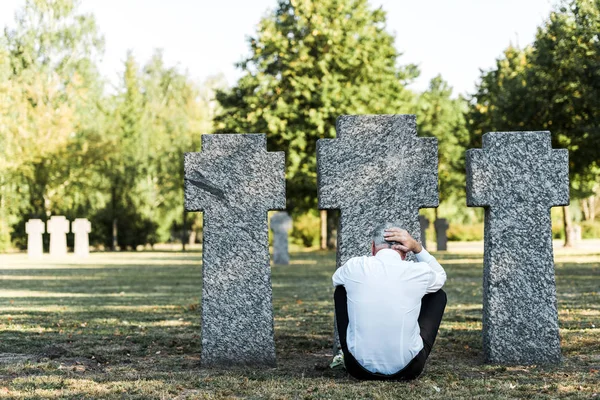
<point>128,326</point>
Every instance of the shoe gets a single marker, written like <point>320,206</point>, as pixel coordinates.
<point>338,361</point>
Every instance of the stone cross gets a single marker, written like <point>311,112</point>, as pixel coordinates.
<point>441,226</point>
<point>281,223</point>
<point>235,182</point>
<point>376,170</point>
<point>517,177</point>
<point>34,229</point>
<point>423,225</point>
<point>81,227</point>
<point>58,227</point>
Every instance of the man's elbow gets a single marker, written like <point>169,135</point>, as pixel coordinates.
<point>442,279</point>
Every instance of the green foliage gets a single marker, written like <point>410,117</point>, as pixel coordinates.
<point>67,147</point>
<point>590,229</point>
<point>441,116</point>
<point>551,85</point>
<point>310,62</point>
<point>465,232</point>
<point>307,229</point>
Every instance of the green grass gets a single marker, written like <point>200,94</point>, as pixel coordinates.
<point>128,326</point>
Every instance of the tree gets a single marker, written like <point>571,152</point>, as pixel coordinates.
<point>552,85</point>
<point>441,116</point>
<point>52,90</point>
<point>159,114</point>
<point>310,62</point>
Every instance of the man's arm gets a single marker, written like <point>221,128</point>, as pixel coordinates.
<point>339,277</point>
<point>346,272</point>
<point>439,275</point>
<point>407,243</point>
<point>341,274</point>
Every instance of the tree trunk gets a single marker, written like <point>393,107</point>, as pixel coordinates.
<point>592,207</point>
<point>323,215</point>
<point>114,235</point>
<point>113,201</point>
<point>192,237</point>
<point>183,232</point>
<point>332,227</point>
<point>585,209</point>
<point>568,227</point>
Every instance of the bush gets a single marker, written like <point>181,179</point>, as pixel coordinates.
<point>590,229</point>
<point>558,231</point>
<point>133,229</point>
<point>465,233</point>
<point>5,243</point>
<point>307,230</point>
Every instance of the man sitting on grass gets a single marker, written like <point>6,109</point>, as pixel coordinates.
<point>388,310</point>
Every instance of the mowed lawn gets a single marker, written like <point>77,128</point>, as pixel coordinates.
<point>127,325</point>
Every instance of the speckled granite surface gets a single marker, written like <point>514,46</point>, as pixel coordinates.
<point>423,225</point>
<point>376,170</point>
<point>235,182</point>
<point>281,224</point>
<point>517,177</point>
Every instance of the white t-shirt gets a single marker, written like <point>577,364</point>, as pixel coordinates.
<point>384,300</point>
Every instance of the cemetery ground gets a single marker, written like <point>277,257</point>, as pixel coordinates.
<point>126,325</point>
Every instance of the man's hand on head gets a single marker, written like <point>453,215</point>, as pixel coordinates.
<point>405,242</point>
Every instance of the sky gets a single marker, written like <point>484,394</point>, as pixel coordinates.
<point>454,38</point>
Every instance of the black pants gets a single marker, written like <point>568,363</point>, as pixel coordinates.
<point>430,317</point>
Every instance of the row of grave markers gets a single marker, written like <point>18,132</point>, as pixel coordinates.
<point>58,227</point>
<point>377,170</point>
<point>281,224</point>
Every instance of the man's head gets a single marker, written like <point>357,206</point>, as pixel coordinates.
<point>379,241</point>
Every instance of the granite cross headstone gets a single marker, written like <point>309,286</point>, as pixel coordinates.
<point>81,227</point>
<point>376,170</point>
<point>34,229</point>
<point>518,177</point>
<point>441,226</point>
<point>281,223</point>
<point>423,225</point>
<point>58,227</point>
<point>235,182</point>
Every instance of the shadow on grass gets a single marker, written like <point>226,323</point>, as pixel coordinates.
<point>132,325</point>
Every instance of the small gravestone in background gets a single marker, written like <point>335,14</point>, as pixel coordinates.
<point>517,177</point>
<point>577,236</point>
<point>376,170</point>
<point>81,227</point>
<point>441,226</point>
<point>34,229</point>
<point>423,225</point>
<point>235,182</point>
<point>58,227</point>
<point>281,223</point>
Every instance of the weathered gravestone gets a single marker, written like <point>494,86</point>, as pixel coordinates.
<point>441,236</point>
<point>376,170</point>
<point>235,182</point>
<point>281,223</point>
<point>58,227</point>
<point>34,229</point>
<point>423,225</point>
<point>81,227</point>
<point>576,234</point>
<point>517,177</point>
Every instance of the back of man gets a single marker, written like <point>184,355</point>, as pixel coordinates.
<point>384,294</point>
<point>384,299</point>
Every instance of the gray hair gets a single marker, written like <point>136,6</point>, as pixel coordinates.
<point>379,230</point>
